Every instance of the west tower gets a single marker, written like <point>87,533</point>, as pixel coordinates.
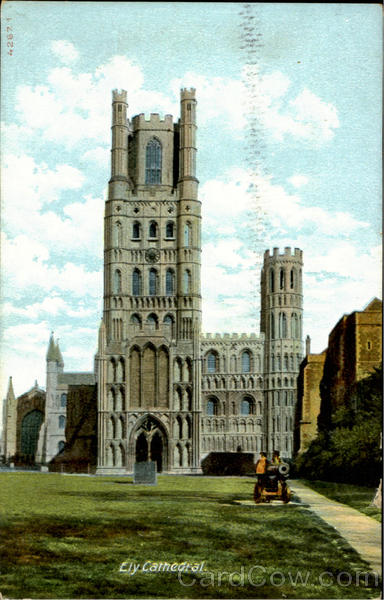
<point>281,322</point>
<point>148,367</point>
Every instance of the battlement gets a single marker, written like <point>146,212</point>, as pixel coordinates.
<point>187,93</point>
<point>119,96</point>
<point>230,337</point>
<point>297,254</point>
<point>152,121</point>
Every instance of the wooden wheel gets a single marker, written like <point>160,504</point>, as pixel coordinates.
<point>257,493</point>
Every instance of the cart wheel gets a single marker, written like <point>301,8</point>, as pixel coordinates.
<point>286,494</point>
<point>257,492</point>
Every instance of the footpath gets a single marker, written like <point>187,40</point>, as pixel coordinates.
<point>361,532</point>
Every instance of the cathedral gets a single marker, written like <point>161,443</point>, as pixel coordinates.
<point>161,389</point>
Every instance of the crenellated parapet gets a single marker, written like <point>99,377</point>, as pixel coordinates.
<point>297,254</point>
<point>119,96</point>
<point>230,337</point>
<point>188,93</point>
<point>152,121</point>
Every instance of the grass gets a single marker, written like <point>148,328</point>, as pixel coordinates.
<point>66,537</point>
<point>356,496</point>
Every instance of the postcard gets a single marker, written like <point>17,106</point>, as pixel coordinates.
<point>191,362</point>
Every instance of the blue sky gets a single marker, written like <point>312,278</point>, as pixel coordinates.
<point>314,98</point>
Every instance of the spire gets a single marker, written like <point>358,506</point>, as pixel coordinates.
<point>59,356</point>
<point>307,345</point>
<point>10,393</point>
<point>51,353</point>
<point>102,336</point>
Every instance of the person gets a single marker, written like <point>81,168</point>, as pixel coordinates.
<point>261,470</point>
<point>276,460</point>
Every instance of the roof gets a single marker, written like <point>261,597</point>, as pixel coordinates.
<point>374,305</point>
<point>76,378</point>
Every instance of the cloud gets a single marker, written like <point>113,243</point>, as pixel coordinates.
<point>28,209</point>
<point>218,98</point>
<point>75,107</point>
<point>298,181</point>
<point>27,265</point>
<point>65,51</point>
<point>99,155</point>
<point>52,306</point>
<point>315,117</point>
<point>282,111</point>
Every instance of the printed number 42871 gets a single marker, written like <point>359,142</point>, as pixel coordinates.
<point>10,42</point>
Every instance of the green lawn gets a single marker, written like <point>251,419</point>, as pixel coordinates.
<point>66,537</point>
<point>356,496</point>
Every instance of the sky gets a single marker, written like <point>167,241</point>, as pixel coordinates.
<point>289,154</point>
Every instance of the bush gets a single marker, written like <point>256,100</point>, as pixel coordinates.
<point>350,451</point>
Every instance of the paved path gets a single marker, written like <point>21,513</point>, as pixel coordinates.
<point>360,531</point>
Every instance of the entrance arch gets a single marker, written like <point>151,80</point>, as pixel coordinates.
<point>157,451</point>
<point>141,448</point>
<point>149,441</point>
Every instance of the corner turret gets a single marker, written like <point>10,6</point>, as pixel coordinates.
<point>10,422</point>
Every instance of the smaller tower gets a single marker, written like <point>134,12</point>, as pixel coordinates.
<point>10,422</point>
<point>54,419</point>
<point>281,322</point>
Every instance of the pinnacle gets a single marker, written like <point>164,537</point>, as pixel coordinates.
<point>10,392</point>
<point>59,356</point>
<point>51,353</point>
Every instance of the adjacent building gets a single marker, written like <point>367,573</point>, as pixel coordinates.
<point>326,380</point>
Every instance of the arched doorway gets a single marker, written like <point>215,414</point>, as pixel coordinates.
<point>30,428</point>
<point>157,451</point>
<point>150,439</point>
<point>141,448</point>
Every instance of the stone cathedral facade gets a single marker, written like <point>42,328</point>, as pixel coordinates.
<point>165,391</point>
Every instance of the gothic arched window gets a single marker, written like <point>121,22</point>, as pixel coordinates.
<point>295,326</point>
<point>187,235</point>
<point>63,400</point>
<point>245,362</point>
<point>153,229</point>
<point>117,234</point>
<point>211,362</point>
<point>282,279</point>
<point>212,407</point>
<point>117,282</point>
<point>187,282</point>
<point>136,283</point>
<point>168,320</point>
<point>60,446</point>
<point>61,422</point>
<point>293,279</point>
<point>169,282</point>
<point>152,318</point>
<point>152,282</point>
<point>282,325</point>
<point>247,406</point>
<point>153,162</point>
<point>136,230</point>
<point>272,327</point>
<point>271,280</point>
<point>169,230</point>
